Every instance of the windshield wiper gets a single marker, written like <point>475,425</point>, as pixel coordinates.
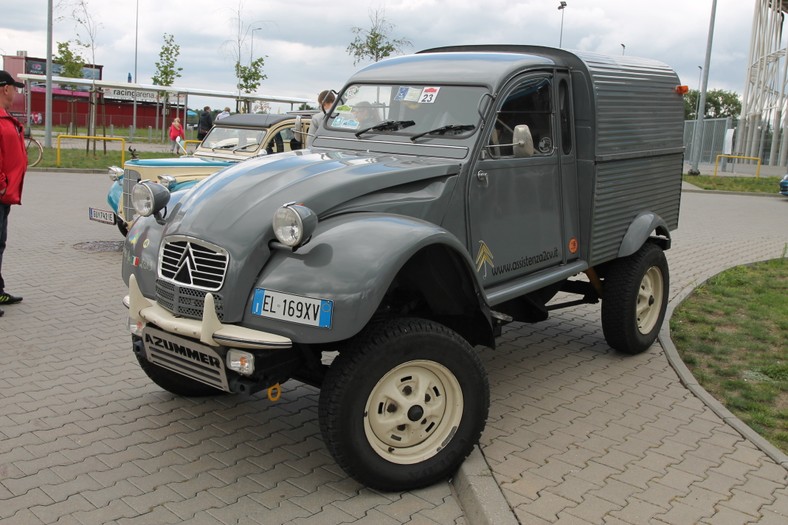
<point>247,146</point>
<point>458,128</point>
<point>389,125</point>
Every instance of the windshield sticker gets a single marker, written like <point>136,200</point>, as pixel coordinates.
<point>408,94</point>
<point>429,95</point>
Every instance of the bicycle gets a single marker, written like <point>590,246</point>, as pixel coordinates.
<point>35,151</point>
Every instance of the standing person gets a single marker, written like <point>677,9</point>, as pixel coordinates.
<point>176,130</point>
<point>13,164</point>
<point>205,124</point>
<point>325,99</point>
<point>223,114</point>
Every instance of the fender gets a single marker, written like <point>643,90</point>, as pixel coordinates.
<point>351,260</point>
<point>640,230</point>
<point>114,196</point>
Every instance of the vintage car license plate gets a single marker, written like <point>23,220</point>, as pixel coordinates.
<point>104,216</point>
<point>293,308</point>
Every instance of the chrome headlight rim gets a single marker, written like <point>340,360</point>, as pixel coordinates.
<point>294,224</point>
<point>148,197</point>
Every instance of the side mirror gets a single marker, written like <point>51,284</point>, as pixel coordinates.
<point>523,141</point>
<point>299,128</point>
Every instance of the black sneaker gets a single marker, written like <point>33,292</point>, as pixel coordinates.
<point>7,298</point>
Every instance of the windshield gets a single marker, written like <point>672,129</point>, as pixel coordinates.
<point>244,140</point>
<point>412,110</point>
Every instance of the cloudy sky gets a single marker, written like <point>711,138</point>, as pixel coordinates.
<point>305,41</point>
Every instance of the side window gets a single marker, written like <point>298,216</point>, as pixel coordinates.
<point>565,116</point>
<point>529,103</point>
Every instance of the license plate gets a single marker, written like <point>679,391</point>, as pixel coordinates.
<point>292,308</point>
<point>107,217</point>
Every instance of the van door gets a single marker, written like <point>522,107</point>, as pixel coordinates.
<point>515,204</point>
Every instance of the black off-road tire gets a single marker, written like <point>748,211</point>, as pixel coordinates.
<point>176,383</point>
<point>635,299</point>
<point>403,404</point>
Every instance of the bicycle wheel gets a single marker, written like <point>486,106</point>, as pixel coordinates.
<point>34,152</point>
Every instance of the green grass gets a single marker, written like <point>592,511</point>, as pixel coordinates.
<point>80,159</point>
<point>741,184</point>
<point>732,333</point>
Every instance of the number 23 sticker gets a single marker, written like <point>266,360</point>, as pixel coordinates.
<point>428,95</point>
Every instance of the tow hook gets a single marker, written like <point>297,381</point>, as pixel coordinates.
<point>274,393</point>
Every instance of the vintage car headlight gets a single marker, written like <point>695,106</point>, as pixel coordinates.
<point>114,173</point>
<point>149,197</point>
<point>168,181</point>
<point>294,224</point>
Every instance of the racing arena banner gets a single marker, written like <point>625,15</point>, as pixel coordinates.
<point>142,95</point>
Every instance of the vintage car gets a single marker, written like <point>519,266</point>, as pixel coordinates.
<point>232,139</point>
<point>447,194</point>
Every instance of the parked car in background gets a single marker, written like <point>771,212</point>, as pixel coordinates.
<point>784,186</point>
<point>231,140</point>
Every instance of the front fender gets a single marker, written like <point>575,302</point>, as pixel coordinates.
<point>114,195</point>
<point>640,230</point>
<point>351,260</point>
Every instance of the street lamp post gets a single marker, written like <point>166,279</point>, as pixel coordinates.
<point>561,7</point>
<point>134,91</point>
<point>698,135</point>
<point>251,49</point>
<point>623,49</point>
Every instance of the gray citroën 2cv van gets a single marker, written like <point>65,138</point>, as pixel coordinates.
<point>447,193</point>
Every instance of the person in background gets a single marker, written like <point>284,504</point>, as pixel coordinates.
<point>13,165</point>
<point>223,114</point>
<point>205,124</point>
<point>176,130</point>
<point>325,100</point>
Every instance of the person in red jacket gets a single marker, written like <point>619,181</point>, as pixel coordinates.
<point>13,164</point>
<point>176,130</point>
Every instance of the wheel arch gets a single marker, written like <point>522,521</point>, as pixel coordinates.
<point>442,278</point>
<point>641,229</point>
<point>371,265</point>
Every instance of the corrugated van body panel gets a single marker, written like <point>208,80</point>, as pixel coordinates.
<point>637,108</point>
<point>625,188</point>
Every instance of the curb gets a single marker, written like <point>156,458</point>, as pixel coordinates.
<point>689,381</point>
<point>479,494</point>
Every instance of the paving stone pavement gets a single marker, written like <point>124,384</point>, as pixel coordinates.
<point>576,434</point>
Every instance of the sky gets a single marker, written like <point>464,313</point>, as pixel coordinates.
<point>305,42</point>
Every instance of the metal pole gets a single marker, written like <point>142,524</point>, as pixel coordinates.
<point>48,95</point>
<point>623,49</point>
<point>134,91</point>
<point>561,7</point>
<point>698,135</point>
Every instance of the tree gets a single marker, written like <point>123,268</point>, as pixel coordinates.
<point>719,104</point>
<point>70,61</point>
<point>248,78</point>
<point>166,72</point>
<point>375,42</point>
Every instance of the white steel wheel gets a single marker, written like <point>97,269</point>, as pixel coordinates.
<point>635,299</point>
<point>412,411</point>
<point>650,300</point>
<point>403,404</point>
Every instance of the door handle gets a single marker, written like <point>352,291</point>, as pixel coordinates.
<point>482,177</point>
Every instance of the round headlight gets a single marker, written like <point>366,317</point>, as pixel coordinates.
<point>149,197</point>
<point>294,224</point>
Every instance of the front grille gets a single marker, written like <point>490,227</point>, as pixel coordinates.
<point>130,178</point>
<point>193,263</point>
<point>184,301</point>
